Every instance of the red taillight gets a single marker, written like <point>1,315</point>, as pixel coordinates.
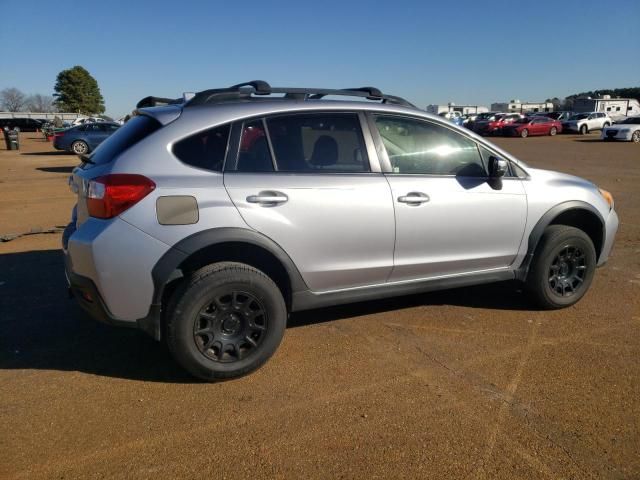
<point>110,195</point>
<point>59,134</point>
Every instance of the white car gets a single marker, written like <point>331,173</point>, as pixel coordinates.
<point>627,130</point>
<point>583,123</point>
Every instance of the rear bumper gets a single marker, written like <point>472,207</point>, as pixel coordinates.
<point>108,268</point>
<point>84,291</point>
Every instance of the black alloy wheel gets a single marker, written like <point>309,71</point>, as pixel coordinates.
<point>567,271</point>
<point>230,326</point>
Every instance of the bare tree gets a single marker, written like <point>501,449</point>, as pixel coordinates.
<point>40,103</point>
<point>12,99</point>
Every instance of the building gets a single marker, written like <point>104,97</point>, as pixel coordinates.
<point>65,116</point>
<point>516,106</point>
<point>614,107</point>
<point>452,107</point>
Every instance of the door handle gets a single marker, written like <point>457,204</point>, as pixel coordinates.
<point>268,198</point>
<point>414,198</point>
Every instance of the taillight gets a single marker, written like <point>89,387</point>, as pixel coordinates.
<point>59,134</point>
<point>110,195</point>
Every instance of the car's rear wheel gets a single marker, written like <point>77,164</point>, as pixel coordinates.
<point>524,133</point>
<point>225,320</point>
<point>562,268</point>
<point>79,147</point>
<point>553,131</point>
<point>584,130</point>
<point>607,124</point>
<point>635,138</point>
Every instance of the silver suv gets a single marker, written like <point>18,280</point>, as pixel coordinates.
<point>206,221</point>
<point>583,123</point>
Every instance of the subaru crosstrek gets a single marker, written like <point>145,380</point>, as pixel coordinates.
<point>206,221</point>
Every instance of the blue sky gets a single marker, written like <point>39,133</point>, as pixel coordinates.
<point>429,52</point>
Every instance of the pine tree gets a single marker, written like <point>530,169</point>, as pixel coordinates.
<point>77,91</point>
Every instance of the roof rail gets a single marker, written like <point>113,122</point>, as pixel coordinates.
<point>259,87</point>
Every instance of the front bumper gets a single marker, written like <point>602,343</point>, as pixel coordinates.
<point>611,228</point>
<point>615,134</point>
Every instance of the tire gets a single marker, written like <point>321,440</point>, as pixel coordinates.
<point>79,147</point>
<point>562,268</point>
<point>524,133</point>
<point>606,125</point>
<point>635,138</point>
<point>225,320</point>
<point>553,131</point>
<point>584,130</point>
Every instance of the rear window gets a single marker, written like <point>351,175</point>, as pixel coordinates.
<point>126,136</point>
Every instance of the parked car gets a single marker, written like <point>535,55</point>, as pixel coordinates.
<point>562,116</point>
<point>206,223</point>
<point>527,126</point>
<point>82,120</point>
<point>627,130</point>
<point>21,124</point>
<point>84,138</point>
<point>583,123</point>
<point>494,124</point>
<point>454,117</point>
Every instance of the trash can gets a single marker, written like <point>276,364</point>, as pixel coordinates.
<point>12,139</point>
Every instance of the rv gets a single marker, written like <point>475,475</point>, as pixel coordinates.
<point>617,108</point>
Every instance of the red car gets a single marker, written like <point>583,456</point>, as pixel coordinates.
<point>494,124</point>
<point>533,126</point>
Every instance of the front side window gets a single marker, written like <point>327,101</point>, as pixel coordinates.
<point>419,147</point>
<point>204,150</point>
<point>318,142</point>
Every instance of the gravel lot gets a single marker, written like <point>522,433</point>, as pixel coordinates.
<point>469,383</point>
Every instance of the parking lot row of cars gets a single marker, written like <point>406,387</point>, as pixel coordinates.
<point>549,123</point>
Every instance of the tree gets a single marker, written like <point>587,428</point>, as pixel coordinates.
<point>40,103</point>
<point>77,91</point>
<point>12,99</point>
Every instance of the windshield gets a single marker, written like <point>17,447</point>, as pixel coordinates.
<point>579,116</point>
<point>126,136</point>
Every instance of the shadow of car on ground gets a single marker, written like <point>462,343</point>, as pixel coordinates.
<point>41,328</point>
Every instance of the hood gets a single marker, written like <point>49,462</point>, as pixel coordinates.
<point>621,126</point>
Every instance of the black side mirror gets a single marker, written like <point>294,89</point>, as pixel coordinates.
<point>497,167</point>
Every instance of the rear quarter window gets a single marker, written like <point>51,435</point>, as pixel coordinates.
<point>206,150</point>
<point>125,137</point>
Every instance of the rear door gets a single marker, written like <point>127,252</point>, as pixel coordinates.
<point>305,180</point>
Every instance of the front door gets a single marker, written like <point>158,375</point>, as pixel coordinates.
<point>450,218</point>
<point>305,181</point>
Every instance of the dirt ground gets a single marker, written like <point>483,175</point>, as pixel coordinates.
<point>469,383</point>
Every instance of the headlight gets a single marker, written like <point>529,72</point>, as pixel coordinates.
<point>607,196</point>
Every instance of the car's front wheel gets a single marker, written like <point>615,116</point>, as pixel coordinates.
<point>584,130</point>
<point>562,268</point>
<point>79,147</point>
<point>225,320</point>
<point>524,133</point>
<point>635,138</point>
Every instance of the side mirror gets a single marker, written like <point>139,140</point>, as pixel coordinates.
<point>497,167</point>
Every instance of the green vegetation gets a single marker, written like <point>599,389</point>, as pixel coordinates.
<point>77,91</point>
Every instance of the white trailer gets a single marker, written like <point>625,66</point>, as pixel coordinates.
<point>452,107</point>
<point>517,106</point>
<point>616,108</point>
